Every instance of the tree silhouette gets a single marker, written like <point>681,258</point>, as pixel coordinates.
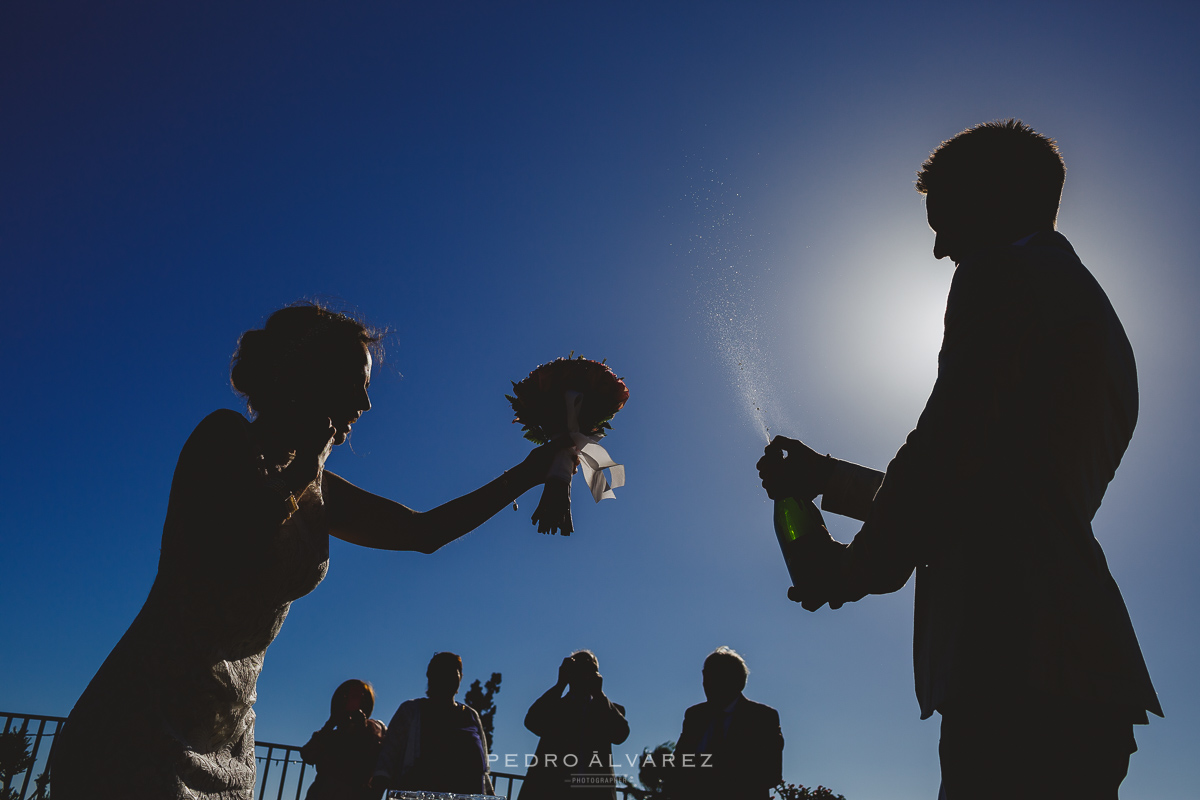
<point>14,760</point>
<point>656,785</point>
<point>652,775</point>
<point>792,791</point>
<point>480,698</point>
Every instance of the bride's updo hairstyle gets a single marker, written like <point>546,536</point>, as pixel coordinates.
<point>271,362</point>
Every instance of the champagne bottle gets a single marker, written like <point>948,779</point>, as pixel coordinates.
<point>794,521</point>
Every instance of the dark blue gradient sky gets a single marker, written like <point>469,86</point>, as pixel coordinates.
<point>502,183</point>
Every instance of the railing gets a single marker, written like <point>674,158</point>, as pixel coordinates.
<point>274,762</point>
<point>281,773</point>
<point>507,785</point>
<point>43,730</point>
<point>510,788</point>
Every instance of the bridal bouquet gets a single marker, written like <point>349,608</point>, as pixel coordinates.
<point>574,397</point>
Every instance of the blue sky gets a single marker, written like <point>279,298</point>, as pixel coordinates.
<point>675,187</point>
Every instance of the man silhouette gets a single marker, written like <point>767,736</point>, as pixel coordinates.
<point>1022,642</point>
<point>731,747</point>
<point>576,733</point>
<point>434,743</point>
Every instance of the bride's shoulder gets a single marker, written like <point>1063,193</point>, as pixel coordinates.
<point>223,423</point>
<point>222,431</point>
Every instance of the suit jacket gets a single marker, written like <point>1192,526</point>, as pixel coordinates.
<point>578,737</point>
<point>746,761</point>
<point>992,496</point>
<point>435,749</point>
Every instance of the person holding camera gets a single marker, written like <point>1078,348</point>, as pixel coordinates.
<point>577,730</point>
<point>345,749</point>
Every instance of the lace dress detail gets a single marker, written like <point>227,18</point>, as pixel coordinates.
<point>170,713</point>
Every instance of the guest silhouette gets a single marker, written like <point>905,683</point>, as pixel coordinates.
<point>733,745</point>
<point>169,714</point>
<point>344,751</point>
<point>434,743</point>
<point>577,730</point>
<point>1022,642</point>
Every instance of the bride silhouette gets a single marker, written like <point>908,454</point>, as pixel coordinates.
<point>251,510</point>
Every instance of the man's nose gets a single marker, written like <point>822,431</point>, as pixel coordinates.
<point>939,246</point>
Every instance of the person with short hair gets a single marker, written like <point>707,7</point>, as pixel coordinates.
<point>345,749</point>
<point>434,743</point>
<point>252,506</point>
<point>731,748</point>
<point>1022,642</point>
<point>577,731</point>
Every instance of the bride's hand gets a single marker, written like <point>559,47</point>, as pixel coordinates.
<point>540,458</point>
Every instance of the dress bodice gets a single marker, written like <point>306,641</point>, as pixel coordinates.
<point>170,712</point>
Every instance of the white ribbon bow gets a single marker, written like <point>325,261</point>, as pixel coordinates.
<point>593,459</point>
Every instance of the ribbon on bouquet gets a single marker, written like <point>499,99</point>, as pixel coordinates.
<point>593,459</point>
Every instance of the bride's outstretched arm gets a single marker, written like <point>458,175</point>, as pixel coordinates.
<point>360,517</point>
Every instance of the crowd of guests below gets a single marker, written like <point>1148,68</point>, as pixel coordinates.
<point>730,747</point>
